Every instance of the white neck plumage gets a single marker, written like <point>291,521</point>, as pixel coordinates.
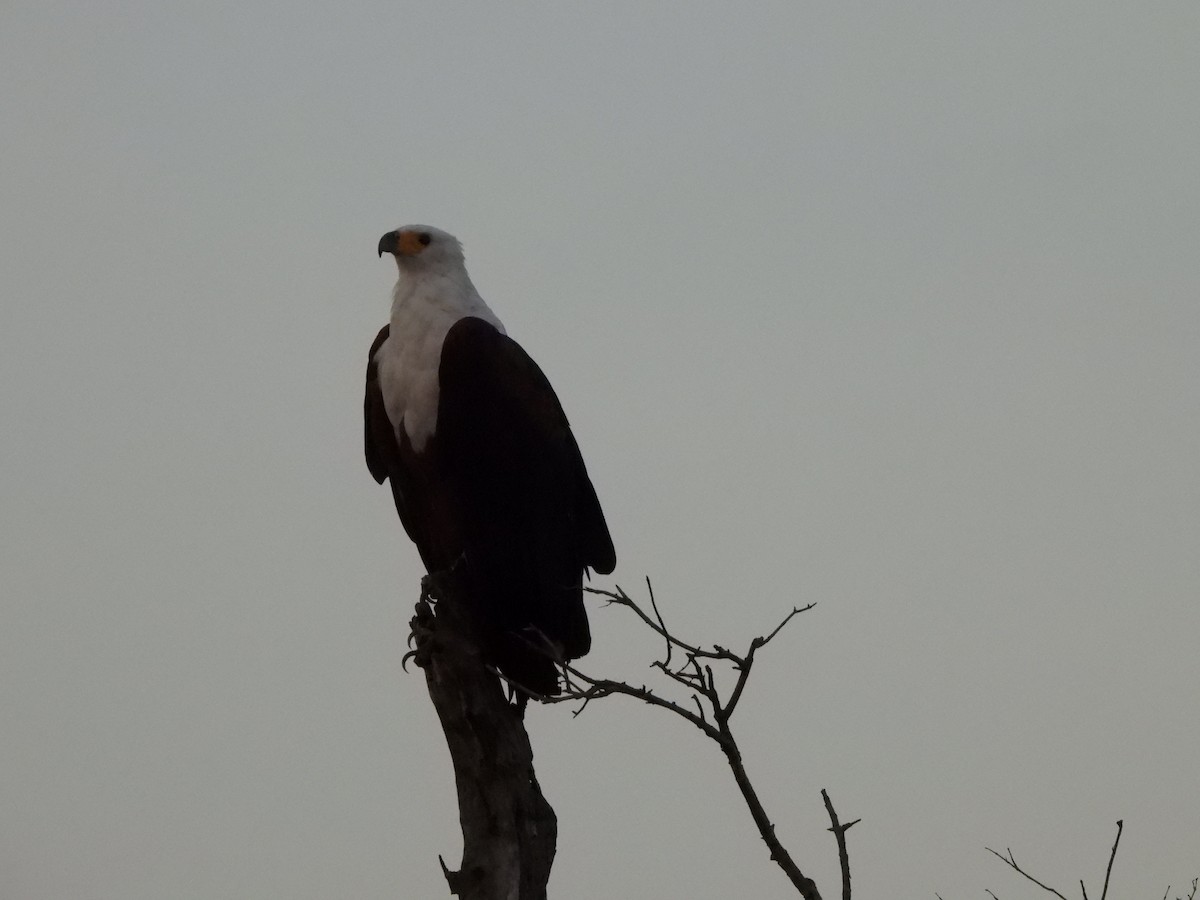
<point>425,306</point>
<point>445,292</point>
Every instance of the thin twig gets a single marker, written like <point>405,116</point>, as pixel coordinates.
<point>796,610</point>
<point>689,680</point>
<point>839,832</point>
<point>1011,861</point>
<point>620,598</point>
<point>744,664</point>
<point>662,623</point>
<point>1191,896</point>
<point>1111,857</point>
<point>601,687</point>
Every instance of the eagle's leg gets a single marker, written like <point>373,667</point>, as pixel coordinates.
<point>435,587</point>
<point>424,629</point>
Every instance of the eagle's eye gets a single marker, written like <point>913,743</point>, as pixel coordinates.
<point>424,238</point>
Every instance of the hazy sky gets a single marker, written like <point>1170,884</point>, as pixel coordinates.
<point>891,307</point>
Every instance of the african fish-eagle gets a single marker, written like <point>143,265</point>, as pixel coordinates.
<point>485,472</point>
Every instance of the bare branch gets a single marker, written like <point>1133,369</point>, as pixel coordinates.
<point>696,675</point>
<point>748,661</point>
<point>620,598</point>
<point>710,687</point>
<point>839,833</point>
<point>1191,896</point>
<point>721,653</point>
<point>661,623</point>
<point>805,885</point>
<point>689,680</point>
<point>743,676</point>
<point>603,687</point>
<point>1011,861</point>
<point>1111,857</point>
<point>796,610</point>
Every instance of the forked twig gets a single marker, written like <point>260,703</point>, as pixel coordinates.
<point>713,713</point>
<point>1010,860</point>
<point>839,832</point>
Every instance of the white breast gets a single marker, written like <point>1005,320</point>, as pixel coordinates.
<point>422,315</point>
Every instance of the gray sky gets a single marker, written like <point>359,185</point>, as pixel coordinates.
<point>891,307</point>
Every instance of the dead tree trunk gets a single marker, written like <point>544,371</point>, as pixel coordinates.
<point>509,830</point>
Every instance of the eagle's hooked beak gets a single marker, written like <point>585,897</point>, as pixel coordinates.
<point>387,243</point>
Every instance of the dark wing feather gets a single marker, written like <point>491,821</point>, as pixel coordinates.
<point>379,434</point>
<point>512,461</point>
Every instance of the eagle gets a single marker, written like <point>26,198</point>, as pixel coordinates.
<point>485,472</point>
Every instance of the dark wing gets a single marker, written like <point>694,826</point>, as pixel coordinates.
<point>510,459</point>
<point>379,434</point>
<point>490,386</point>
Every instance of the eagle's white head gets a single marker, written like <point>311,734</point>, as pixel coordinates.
<point>420,249</point>
<point>432,274</point>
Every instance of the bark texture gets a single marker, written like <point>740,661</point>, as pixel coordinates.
<point>509,830</point>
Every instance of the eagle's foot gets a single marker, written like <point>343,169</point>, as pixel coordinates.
<point>424,629</point>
